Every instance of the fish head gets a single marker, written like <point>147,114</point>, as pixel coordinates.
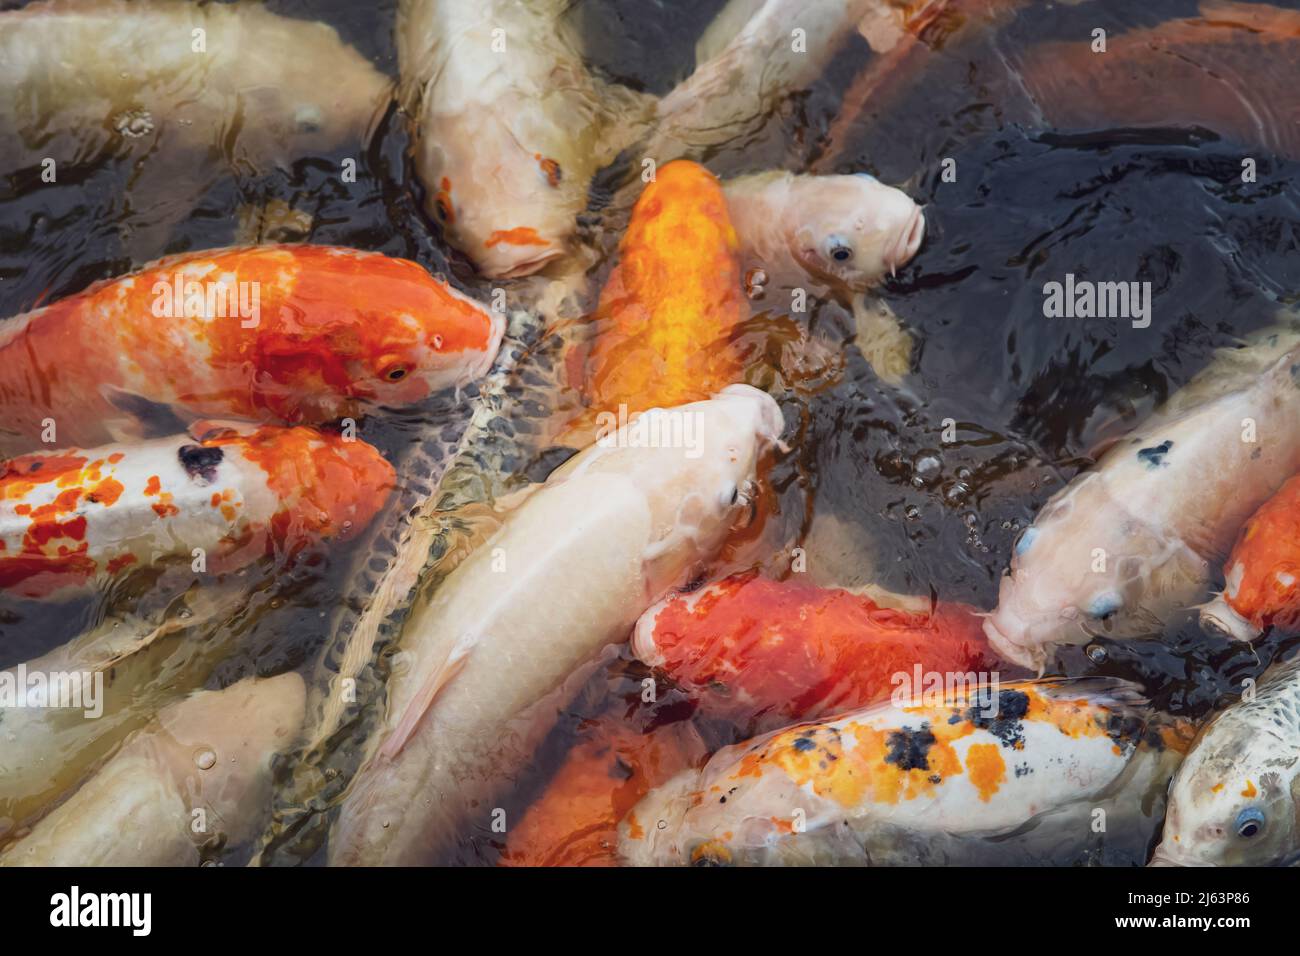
<point>1233,800</point>
<point>697,465</point>
<point>511,216</point>
<point>852,231</point>
<point>443,339</point>
<point>1079,572</point>
<point>329,485</point>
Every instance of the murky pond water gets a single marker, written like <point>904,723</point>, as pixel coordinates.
<point>873,491</point>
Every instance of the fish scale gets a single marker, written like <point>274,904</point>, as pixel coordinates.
<point>422,539</point>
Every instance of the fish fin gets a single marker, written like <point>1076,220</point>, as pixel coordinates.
<point>143,417</point>
<point>204,428</point>
<point>883,597</point>
<point>881,338</point>
<point>1112,691</point>
<point>438,678</point>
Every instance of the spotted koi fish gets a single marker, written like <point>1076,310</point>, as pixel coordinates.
<point>1127,546</point>
<point>291,334</point>
<point>752,649</point>
<point>908,783</point>
<point>1262,576</point>
<point>72,520</point>
<point>671,305</point>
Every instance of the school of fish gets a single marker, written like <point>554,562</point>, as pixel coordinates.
<point>184,432</point>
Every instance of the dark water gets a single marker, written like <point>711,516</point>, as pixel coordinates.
<point>1032,397</point>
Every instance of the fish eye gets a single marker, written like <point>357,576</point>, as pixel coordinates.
<point>1250,822</point>
<point>395,373</point>
<point>1105,604</point>
<point>309,119</point>
<point>730,495</point>
<point>839,249</point>
<point>442,209</point>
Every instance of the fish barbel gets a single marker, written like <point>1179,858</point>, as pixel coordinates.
<point>295,334</point>
<point>628,518</point>
<point>1233,801</point>
<point>1130,543</point>
<point>72,520</point>
<point>915,782</point>
<point>752,649</point>
<point>198,776</point>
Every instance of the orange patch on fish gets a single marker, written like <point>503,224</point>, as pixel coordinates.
<point>987,769</point>
<point>518,236</point>
<point>669,309</point>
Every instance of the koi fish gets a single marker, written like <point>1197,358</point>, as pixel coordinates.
<point>1230,70</point>
<point>918,783</point>
<point>630,519</point>
<point>607,772</point>
<point>509,125</point>
<point>845,232</point>
<point>196,779</point>
<point>73,520</point>
<point>1128,544</point>
<point>750,648</point>
<point>1263,573</point>
<point>670,306</point>
<point>1233,801</point>
<point>210,89</point>
<point>133,663</point>
<point>296,334</point>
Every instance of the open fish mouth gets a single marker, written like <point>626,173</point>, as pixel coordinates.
<point>1029,656</point>
<point>908,242</point>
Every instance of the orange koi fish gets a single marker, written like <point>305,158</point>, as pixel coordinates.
<point>292,334</point>
<point>670,306</point>
<point>73,520</point>
<point>748,647</point>
<point>1262,576</point>
<point>575,821</point>
<point>917,782</point>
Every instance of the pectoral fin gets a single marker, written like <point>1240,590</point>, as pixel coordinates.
<point>141,417</point>
<point>437,679</point>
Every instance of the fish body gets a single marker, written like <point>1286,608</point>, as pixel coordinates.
<point>844,232</point>
<point>748,647</point>
<point>509,124</point>
<point>127,668</point>
<point>1129,543</point>
<point>1230,70</point>
<point>473,689</point>
<point>1262,573</point>
<point>75,519</point>
<point>669,308</point>
<point>905,783</point>
<point>614,764</point>
<point>753,55</point>
<point>295,334</point>
<point>1233,801</point>
<point>197,778</point>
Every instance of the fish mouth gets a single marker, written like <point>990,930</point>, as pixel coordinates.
<point>1029,656</point>
<point>908,242</point>
<point>1219,619</point>
<point>1160,858</point>
<point>518,268</point>
<point>643,643</point>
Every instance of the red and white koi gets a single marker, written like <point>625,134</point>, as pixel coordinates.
<point>75,519</point>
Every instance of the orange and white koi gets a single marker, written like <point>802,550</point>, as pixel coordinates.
<point>294,334</point>
<point>1262,575</point>
<point>901,783</point>
<point>750,648</point>
<point>669,308</point>
<point>75,519</point>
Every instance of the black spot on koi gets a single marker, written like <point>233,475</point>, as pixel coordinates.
<point>1006,722</point>
<point>1155,455</point>
<point>200,462</point>
<point>909,749</point>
